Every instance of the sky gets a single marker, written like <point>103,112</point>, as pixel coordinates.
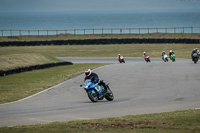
<point>97,5</point>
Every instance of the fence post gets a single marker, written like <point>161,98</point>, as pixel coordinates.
<point>84,31</point>
<point>56,32</point>
<point>191,29</point>
<point>2,32</point>
<point>111,31</point>
<point>38,32</point>
<point>20,32</point>
<point>47,32</point>
<point>10,32</point>
<point>93,31</point>
<point>102,30</point>
<point>183,30</point>
<point>29,32</point>
<point>139,30</point>
<point>148,30</point>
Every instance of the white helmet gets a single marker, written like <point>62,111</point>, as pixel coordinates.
<point>87,72</point>
<point>170,51</point>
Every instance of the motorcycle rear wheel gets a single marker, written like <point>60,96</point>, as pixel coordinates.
<point>109,96</point>
<point>92,97</point>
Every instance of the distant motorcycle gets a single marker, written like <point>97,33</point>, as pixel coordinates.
<point>173,57</point>
<point>165,58</point>
<point>195,57</point>
<point>147,58</point>
<point>121,59</point>
<point>96,92</point>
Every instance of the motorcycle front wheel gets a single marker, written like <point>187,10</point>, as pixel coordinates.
<point>92,96</point>
<point>195,60</point>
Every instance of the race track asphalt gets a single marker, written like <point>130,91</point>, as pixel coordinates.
<point>138,87</point>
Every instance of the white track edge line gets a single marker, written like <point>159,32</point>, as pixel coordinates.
<point>43,90</point>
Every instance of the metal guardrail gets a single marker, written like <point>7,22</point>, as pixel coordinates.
<point>100,31</point>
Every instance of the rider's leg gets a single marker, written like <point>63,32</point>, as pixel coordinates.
<point>101,82</point>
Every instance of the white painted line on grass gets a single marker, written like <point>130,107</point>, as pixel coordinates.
<point>43,90</point>
<point>33,94</point>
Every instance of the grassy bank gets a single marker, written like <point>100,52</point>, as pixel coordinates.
<point>11,57</point>
<point>128,50</point>
<point>17,86</point>
<point>172,122</point>
<point>99,36</point>
<point>11,60</point>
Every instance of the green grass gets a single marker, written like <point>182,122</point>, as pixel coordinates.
<point>14,87</point>
<point>98,36</point>
<point>10,61</point>
<point>17,86</point>
<point>187,121</point>
<point>112,50</point>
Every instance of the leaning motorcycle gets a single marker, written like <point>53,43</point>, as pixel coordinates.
<point>147,59</point>
<point>121,60</point>
<point>173,57</point>
<point>165,58</point>
<point>195,57</point>
<point>97,92</point>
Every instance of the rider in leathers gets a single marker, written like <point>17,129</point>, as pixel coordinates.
<point>144,54</point>
<point>163,53</point>
<point>170,53</point>
<point>94,78</point>
<point>119,56</point>
<point>195,51</point>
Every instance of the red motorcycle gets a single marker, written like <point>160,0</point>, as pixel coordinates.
<point>147,58</point>
<point>121,59</point>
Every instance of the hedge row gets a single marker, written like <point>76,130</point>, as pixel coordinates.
<point>99,41</point>
<point>33,67</point>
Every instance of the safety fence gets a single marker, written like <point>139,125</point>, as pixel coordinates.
<point>100,31</point>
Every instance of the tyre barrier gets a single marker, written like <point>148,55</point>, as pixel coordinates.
<point>100,41</point>
<point>33,67</point>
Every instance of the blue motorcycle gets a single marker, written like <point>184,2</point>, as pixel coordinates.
<point>96,92</point>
